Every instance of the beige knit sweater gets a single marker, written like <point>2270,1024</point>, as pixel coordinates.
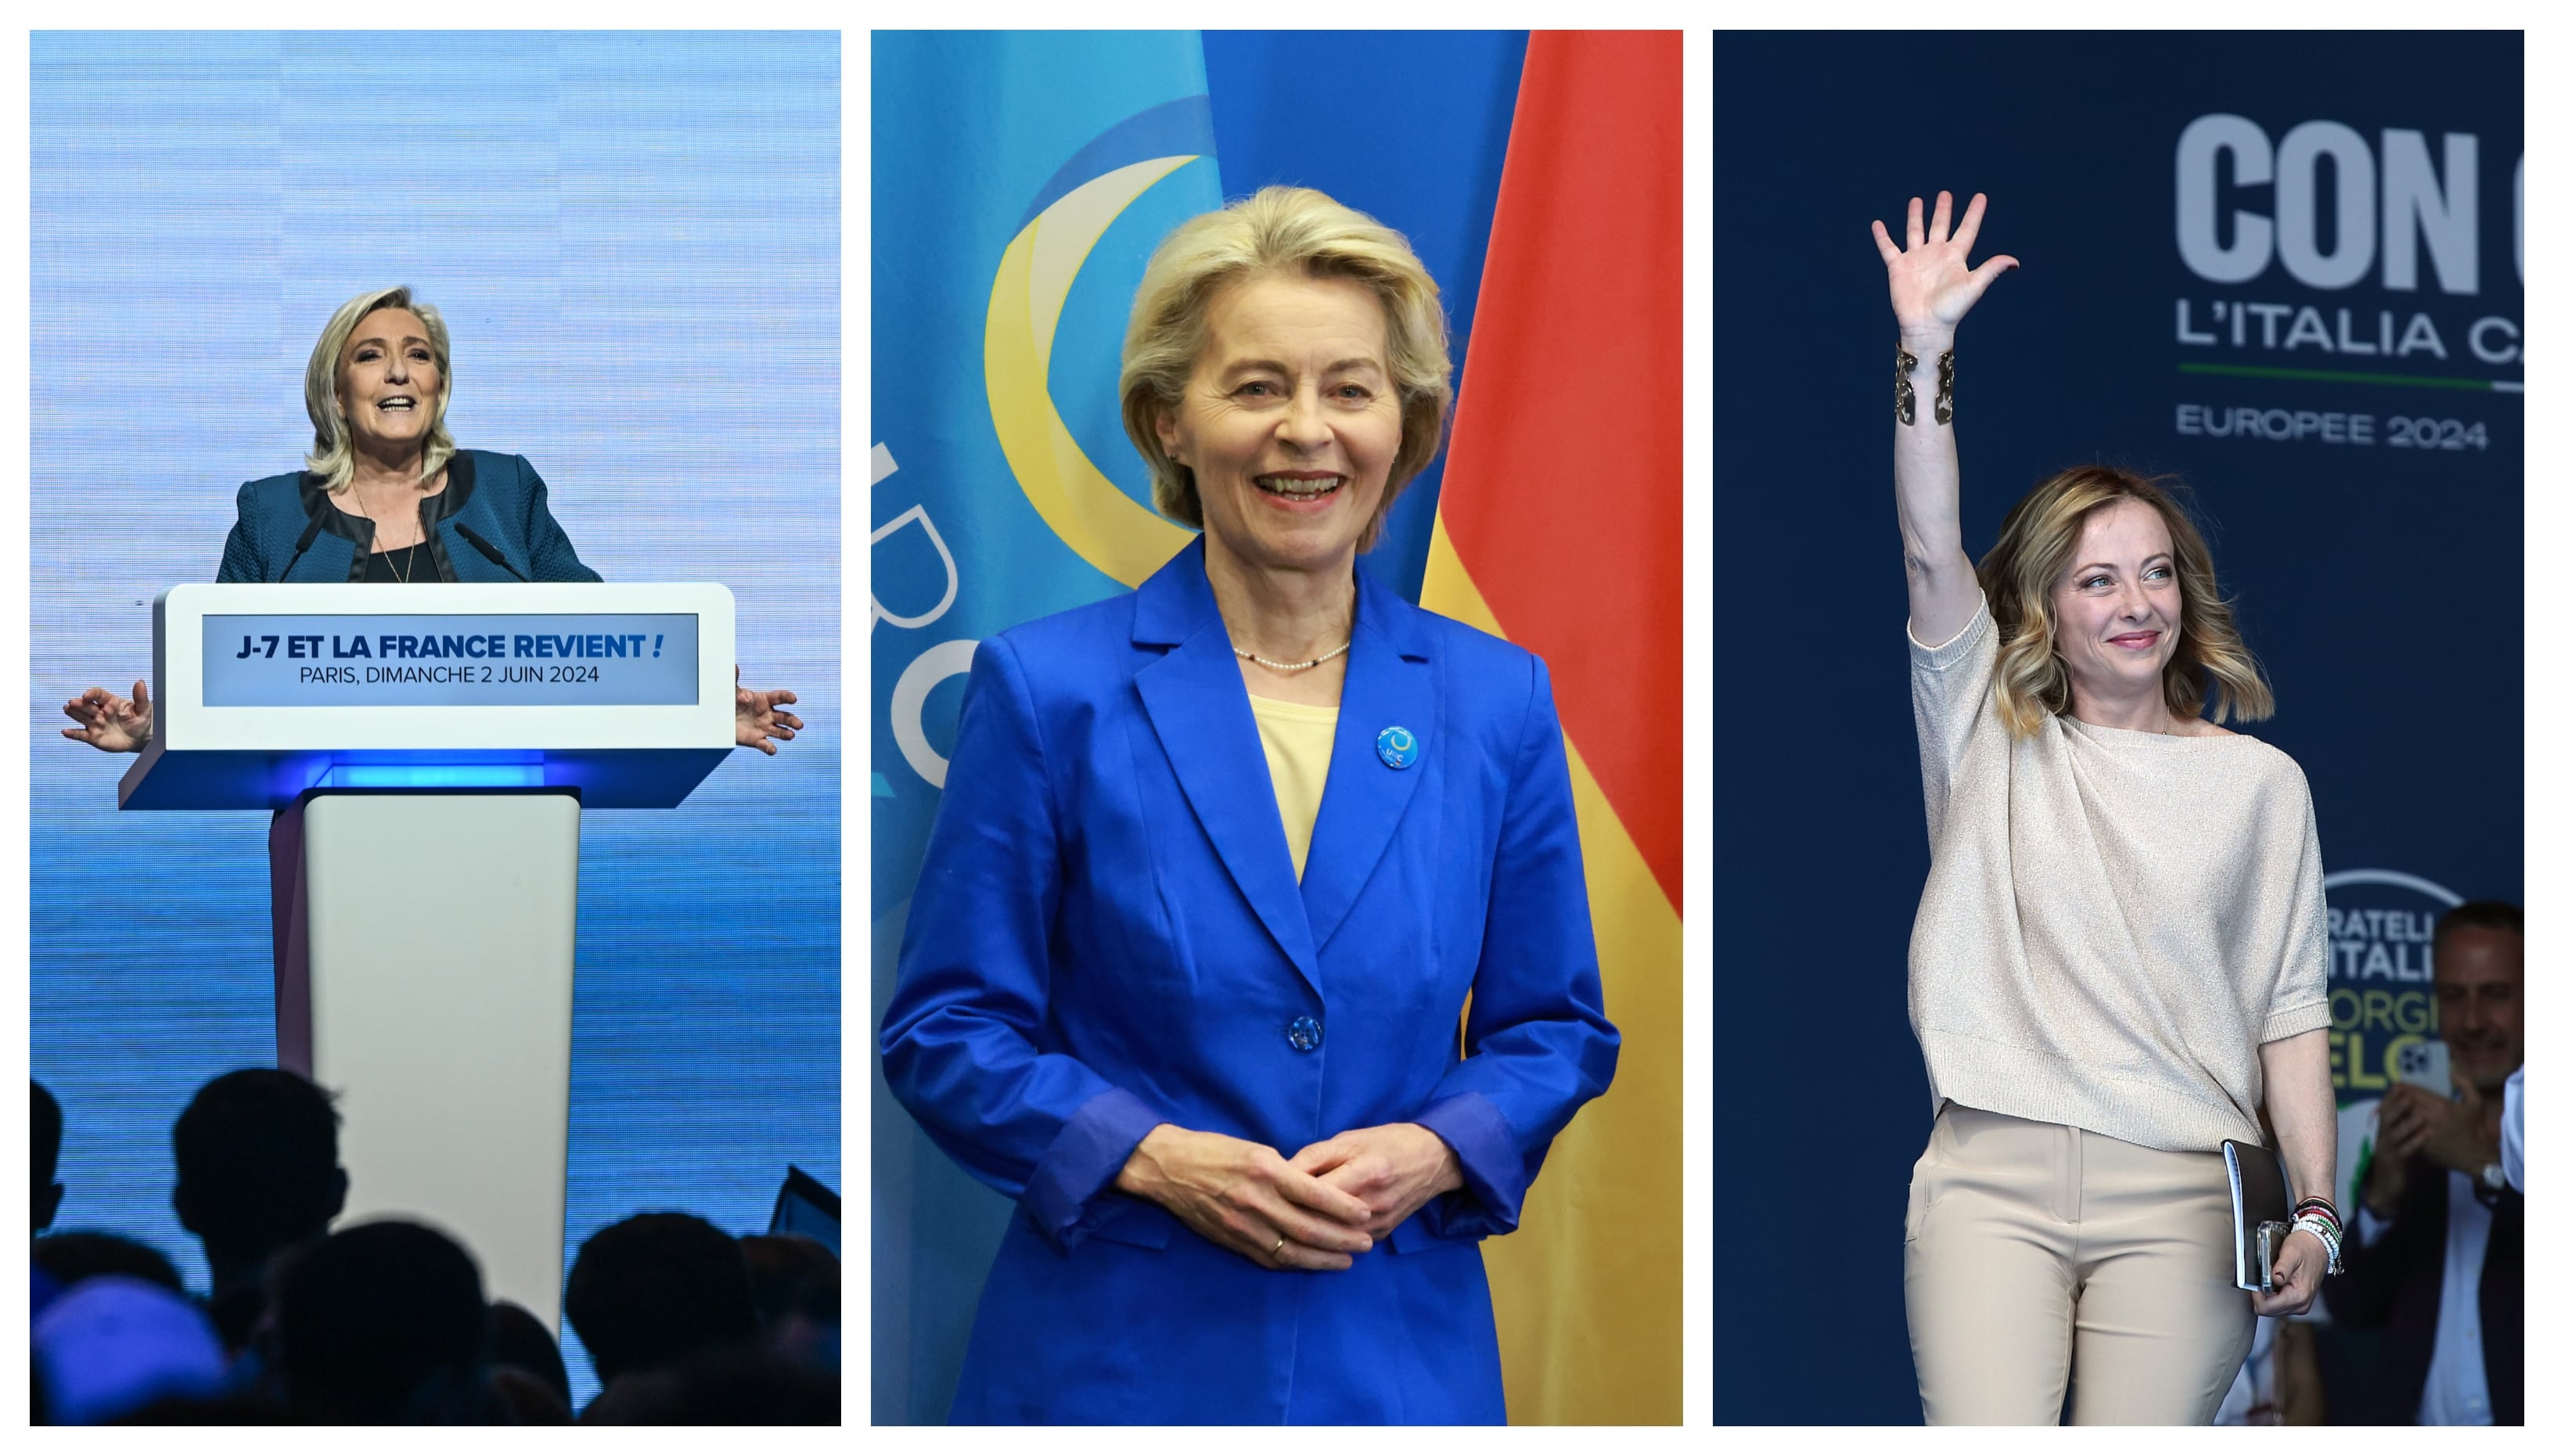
<point>2115,922</point>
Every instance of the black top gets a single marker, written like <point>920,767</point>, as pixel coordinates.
<point>407,564</point>
<point>460,478</point>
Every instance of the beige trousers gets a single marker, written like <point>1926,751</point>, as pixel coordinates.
<point>2036,1253</point>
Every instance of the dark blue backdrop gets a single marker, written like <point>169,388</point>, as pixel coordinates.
<point>2378,583</point>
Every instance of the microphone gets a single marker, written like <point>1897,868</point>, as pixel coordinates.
<point>309,535</point>
<point>491,552</point>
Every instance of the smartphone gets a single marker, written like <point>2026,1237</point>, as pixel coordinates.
<point>2425,1064</point>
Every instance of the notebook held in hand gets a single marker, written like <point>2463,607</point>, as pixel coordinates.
<point>2261,1211</point>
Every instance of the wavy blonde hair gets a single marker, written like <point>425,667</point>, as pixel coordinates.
<point>1281,231</point>
<point>332,446</point>
<point>2032,552</point>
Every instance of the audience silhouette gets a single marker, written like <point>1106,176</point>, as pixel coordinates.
<point>71,1256</point>
<point>654,1287</point>
<point>522,1342</point>
<point>257,1175</point>
<point>382,1323</point>
<point>386,1322</point>
<point>47,1142</point>
<point>797,1296</point>
<point>727,1386</point>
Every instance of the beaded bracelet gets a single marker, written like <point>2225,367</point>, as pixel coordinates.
<point>2315,1216</point>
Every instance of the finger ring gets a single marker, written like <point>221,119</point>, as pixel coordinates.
<point>1281,1247</point>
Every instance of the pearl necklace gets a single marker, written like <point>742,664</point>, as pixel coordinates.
<point>1292,666</point>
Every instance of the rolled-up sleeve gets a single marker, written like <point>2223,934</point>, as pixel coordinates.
<point>962,1040</point>
<point>1537,1045</point>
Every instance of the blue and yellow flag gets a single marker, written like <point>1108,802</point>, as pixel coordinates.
<point>1019,182</point>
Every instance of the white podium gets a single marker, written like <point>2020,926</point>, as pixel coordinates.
<point>426,756</point>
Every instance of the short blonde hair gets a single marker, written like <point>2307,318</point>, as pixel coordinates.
<point>332,446</point>
<point>1281,231</point>
<point>2032,552</point>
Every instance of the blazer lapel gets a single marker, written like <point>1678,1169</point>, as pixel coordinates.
<point>1195,697</point>
<point>1390,686</point>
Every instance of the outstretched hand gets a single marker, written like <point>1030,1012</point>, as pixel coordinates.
<point>1932,287</point>
<point>759,718</point>
<point>111,724</point>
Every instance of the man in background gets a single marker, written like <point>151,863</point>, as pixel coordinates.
<point>655,1289</point>
<point>257,1175</point>
<point>2433,1255</point>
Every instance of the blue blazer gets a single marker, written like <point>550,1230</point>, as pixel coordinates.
<point>496,497</point>
<point>1108,935</point>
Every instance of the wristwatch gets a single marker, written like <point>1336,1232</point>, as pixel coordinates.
<point>2494,1179</point>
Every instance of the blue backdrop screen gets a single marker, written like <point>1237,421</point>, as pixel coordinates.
<point>634,240</point>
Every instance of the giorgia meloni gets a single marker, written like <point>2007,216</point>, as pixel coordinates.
<point>1218,866</point>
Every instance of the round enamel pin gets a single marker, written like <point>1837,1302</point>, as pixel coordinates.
<point>1396,748</point>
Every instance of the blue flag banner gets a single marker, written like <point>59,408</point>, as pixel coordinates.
<point>1020,181</point>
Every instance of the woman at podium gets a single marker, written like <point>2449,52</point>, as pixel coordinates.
<point>386,498</point>
<point>1218,865</point>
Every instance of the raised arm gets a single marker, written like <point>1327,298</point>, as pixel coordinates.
<point>1931,288</point>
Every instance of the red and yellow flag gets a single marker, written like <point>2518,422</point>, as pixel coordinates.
<point>1561,528</point>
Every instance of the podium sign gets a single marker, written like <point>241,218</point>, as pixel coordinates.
<point>556,659</point>
<point>427,755</point>
<point>624,693</point>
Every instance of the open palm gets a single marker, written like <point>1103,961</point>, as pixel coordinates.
<point>1932,287</point>
<point>115,724</point>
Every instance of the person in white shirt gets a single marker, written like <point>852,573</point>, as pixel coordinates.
<point>2434,1255</point>
<point>2513,1153</point>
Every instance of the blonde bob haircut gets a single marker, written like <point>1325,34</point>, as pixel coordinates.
<point>1280,231</point>
<point>2030,557</point>
<point>332,446</point>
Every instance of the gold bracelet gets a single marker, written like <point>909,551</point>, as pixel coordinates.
<point>1905,388</point>
<point>1943,390</point>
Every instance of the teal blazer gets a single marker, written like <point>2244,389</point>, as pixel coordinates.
<point>288,531</point>
<point>1108,935</point>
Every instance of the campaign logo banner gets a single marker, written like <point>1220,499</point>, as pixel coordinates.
<point>2379,923</point>
<point>539,660</point>
<point>2328,256</point>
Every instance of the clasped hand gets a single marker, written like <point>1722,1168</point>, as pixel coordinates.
<point>1314,1210</point>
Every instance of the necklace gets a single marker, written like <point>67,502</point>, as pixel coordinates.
<point>375,518</point>
<point>1292,666</point>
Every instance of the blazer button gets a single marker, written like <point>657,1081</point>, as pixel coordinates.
<point>1303,1034</point>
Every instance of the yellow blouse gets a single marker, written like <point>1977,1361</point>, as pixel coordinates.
<point>1297,740</point>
